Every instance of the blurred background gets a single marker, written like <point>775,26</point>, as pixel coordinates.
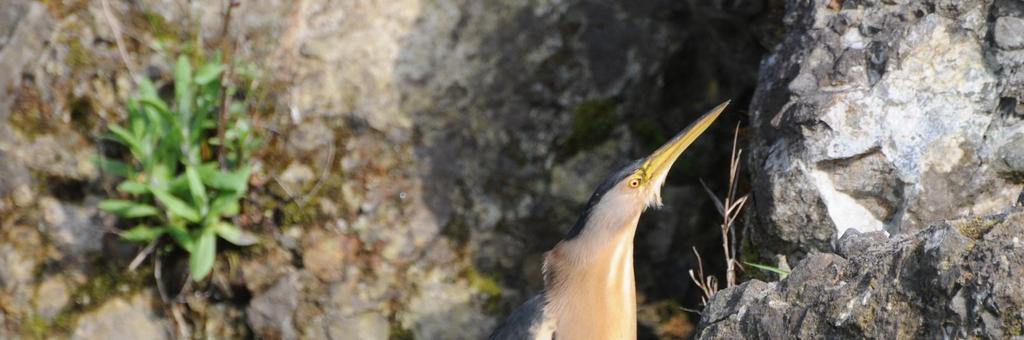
<point>413,158</point>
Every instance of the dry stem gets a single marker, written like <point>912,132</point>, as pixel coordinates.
<point>115,27</point>
<point>225,99</point>
<point>730,210</point>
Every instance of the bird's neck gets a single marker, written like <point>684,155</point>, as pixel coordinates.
<point>590,286</point>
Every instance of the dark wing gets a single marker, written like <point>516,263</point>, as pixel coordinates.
<point>525,323</point>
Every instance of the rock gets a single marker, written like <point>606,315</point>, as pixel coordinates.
<point>51,297</point>
<point>123,318</point>
<point>223,321</point>
<point>661,234</point>
<point>311,136</point>
<point>854,243</point>
<point>438,305</point>
<point>353,309</point>
<point>263,271</point>
<point>24,253</point>
<point>15,181</point>
<point>1011,157</point>
<point>16,269</point>
<point>26,26</point>
<point>296,178</point>
<point>62,157</point>
<point>1009,33</point>
<point>325,253</point>
<point>948,280</point>
<point>878,117</point>
<point>5,330</point>
<point>361,326</point>
<point>271,314</point>
<point>73,228</point>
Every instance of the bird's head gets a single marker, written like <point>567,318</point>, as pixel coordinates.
<point>628,191</point>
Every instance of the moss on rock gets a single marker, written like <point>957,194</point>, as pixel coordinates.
<point>593,121</point>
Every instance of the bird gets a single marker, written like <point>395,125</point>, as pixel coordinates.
<point>589,289</point>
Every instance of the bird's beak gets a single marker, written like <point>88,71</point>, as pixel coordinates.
<point>658,163</point>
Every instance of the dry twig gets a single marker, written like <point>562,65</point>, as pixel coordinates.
<point>142,255</point>
<point>225,97</point>
<point>115,26</point>
<point>707,284</point>
<point>323,175</point>
<point>730,210</point>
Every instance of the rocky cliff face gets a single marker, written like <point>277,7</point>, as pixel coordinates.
<point>882,116</point>
<point>881,128</point>
<point>958,279</point>
<point>421,156</point>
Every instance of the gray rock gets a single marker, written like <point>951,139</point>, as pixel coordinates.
<point>271,314</point>
<point>16,269</point>
<point>324,254</point>
<point>353,309</point>
<point>297,178</point>
<point>15,180</point>
<point>25,27</point>
<point>262,272</point>
<point>60,156</point>
<point>73,228</point>
<point>878,117</point>
<point>954,280</point>
<point>5,330</point>
<point>51,297</point>
<point>854,243</point>
<point>24,253</point>
<point>123,318</point>
<point>311,136</point>
<point>1011,157</point>
<point>439,304</point>
<point>361,326</point>
<point>1009,33</point>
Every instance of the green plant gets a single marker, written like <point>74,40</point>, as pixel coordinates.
<point>781,272</point>
<point>172,188</point>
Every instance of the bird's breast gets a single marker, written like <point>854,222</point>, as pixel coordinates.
<point>593,297</point>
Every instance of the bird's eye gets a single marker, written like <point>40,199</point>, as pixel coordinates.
<point>633,183</point>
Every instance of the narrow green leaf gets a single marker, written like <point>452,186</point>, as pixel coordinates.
<point>126,137</point>
<point>161,175</point>
<point>183,89</point>
<point>180,235</point>
<point>208,73</point>
<point>195,185</point>
<point>142,233</point>
<point>146,89</point>
<point>136,118</point>
<point>782,273</point>
<point>233,234</point>
<point>242,178</point>
<point>131,187</point>
<point>201,261</point>
<point>236,181</point>
<point>226,204</point>
<point>156,104</point>
<point>127,209</point>
<point>114,167</point>
<point>175,205</point>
